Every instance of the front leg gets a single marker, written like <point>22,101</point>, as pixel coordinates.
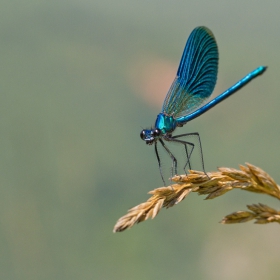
<point>159,163</point>
<point>174,160</point>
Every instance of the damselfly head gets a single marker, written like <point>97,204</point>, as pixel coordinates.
<point>150,135</point>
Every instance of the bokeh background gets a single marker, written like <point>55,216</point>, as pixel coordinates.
<point>79,80</point>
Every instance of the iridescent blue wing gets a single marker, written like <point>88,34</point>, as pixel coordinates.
<point>196,75</point>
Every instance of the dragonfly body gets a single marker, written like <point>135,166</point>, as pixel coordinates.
<point>194,83</point>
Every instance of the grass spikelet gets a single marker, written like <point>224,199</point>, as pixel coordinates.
<point>263,214</point>
<point>214,184</point>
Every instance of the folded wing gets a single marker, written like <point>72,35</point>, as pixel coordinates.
<point>196,75</point>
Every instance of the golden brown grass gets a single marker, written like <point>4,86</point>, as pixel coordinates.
<point>249,178</point>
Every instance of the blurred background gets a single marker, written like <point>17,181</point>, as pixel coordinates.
<point>79,80</point>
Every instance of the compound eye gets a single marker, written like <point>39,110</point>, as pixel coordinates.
<point>142,134</point>
<point>156,132</point>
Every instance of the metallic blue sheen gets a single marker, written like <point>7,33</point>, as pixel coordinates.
<point>196,75</point>
<point>194,83</point>
<point>166,124</point>
<point>258,71</point>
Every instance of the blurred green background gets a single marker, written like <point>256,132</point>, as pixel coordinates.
<point>79,80</point>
